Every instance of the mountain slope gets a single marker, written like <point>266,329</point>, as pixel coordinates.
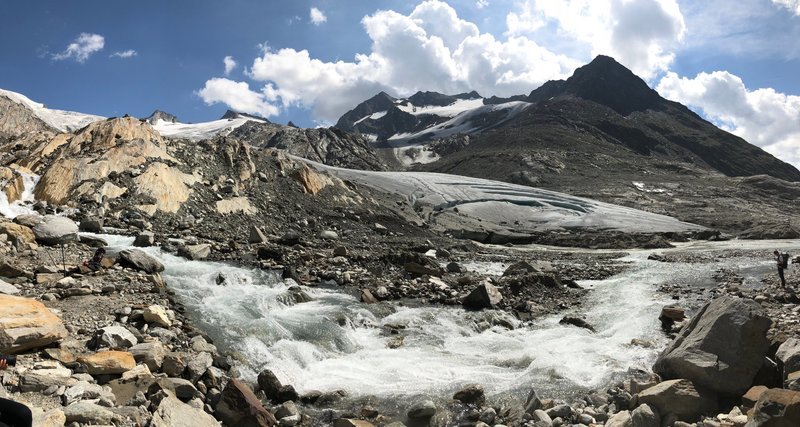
<point>63,121</point>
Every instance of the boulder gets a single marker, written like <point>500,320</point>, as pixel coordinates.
<point>56,230</point>
<point>620,419</point>
<point>172,412</point>
<point>645,416</point>
<point>471,394</point>
<point>11,271</point>
<point>8,288</point>
<point>144,239</point>
<point>158,315</point>
<point>256,235</point>
<point>576,321</point>
<point>150,353</point>
<point>46,375</point>
<point>679,397</point>
<point>776,408</point>
<point>239,406</point>
<point>328,235</point>
<point>789,354</point>
<point>91,225</point>
<point>367,297</point>
<point>751,397</point>
<point>115,337</point>
<point>17,233</point>
<point>486,295</point>
<point>198,365</point>
<point>26,323</point>
<point>721,349</point>
<point>108,362</point>
<point>269,384</point>
<point>88,413</point>
<point>195,252</point>
<point>174,364</point>
<point>520,267</point>
<point>423,409</point>
<point>138,260</point>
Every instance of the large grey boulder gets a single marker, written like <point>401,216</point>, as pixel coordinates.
<point>681,398</point>
<point>115,337</point>
<point>56,230</point>
<point>789,354</point>
<point>137,259</point>
<point>195,252</point>
<point>721,349</point>
<point>485,295</point>
<point>172,412</point>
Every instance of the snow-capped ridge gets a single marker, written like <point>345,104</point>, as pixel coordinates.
<point>61,120</point>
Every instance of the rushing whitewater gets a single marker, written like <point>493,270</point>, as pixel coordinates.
<point>21,206</point>
<point>335,342</point>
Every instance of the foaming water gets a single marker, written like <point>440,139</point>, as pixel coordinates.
<point>21,206</point>
<point>335,342</point>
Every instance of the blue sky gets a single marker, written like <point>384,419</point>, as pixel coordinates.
<point>735,62</point>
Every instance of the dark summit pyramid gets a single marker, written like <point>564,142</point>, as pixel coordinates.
<point>607,82</point>
<point>230,115</point>
<point>161,115</point>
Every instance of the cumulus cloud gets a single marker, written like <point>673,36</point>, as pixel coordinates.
<point>431,48</point>
<point>641,34</point>
<point>239,97</point>
<point>130,53</point>
<point>480,4</point>
<point>82,47</point>
<point>316,16</point>
<point>792,5</point>
<point>230,64</point>
<point>763,117</point>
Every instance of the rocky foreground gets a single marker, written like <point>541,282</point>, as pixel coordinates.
<point>113,346</point>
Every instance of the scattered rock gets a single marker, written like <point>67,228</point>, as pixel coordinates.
<point>144,239</point>
<point>137,259</point>
<point>789,354</point>
<point>195,252</point>
<point>576,321</point>
<point>150,353</point>
<point>367,297</point>
<point>56,230</point>
<point>158,315</point>
<point>256,235</point>
<point>26,323</point>
<point>423,409</point>
<point>172,412</point>
<point>239,406</point>
<point>91,225</point>
<point>681,398</point>
<point>776,407</point>
<point>485,295</point>
<point>472,394</point>
<point>108,362</point>
<point>115,337</point>
<point>88,413</point>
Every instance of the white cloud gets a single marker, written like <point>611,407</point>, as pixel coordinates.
<point>82,47</point>
<point>316,16</point>
<point>792,5</point>
<point>238,96</point>
<point>230,64</point>
<point>130,53</point>
<point>640,34</point>
<point>763,117</point>
<point>480,4</point>
<point>429,49</point>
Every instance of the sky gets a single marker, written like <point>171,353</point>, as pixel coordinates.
<point>737,63</point>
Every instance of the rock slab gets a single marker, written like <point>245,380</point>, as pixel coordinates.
<point>721,349</point>
<point>26,323</point>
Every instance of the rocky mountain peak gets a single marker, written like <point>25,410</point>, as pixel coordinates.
<point>230,114</point>
<point>607,82</point>
<point>161,115</point>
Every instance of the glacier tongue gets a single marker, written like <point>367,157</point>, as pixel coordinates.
<point>64,121</point>
<point>463,202</point>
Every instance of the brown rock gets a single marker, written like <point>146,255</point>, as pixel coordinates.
<point>17,233</point>
<point>239,406</point>
<point>108,362</point>
<point>367,297</point>
<point>26,323</point>
<point>681,398</point>
<point>776,408</point>
<point>751,397</point>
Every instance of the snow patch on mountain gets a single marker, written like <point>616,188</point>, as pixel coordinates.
<point>199,131</point>
<point>64,121</point>
<point>451,110</point>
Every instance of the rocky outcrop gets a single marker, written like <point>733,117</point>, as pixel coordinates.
<point>27,324</point>
<point>722,348</point>
<point>167,186</point>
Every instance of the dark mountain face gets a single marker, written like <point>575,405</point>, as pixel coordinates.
<point>380,102</point>
<point>230,114</point>
<point>161,115</point>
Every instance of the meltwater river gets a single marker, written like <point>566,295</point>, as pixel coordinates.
<point>336,342</point>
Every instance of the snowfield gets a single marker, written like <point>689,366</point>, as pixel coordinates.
<point>64,121</point>
<point>199,131</point>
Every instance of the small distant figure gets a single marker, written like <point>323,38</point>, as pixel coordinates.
<point>96,263</point>
<point>783,262</point>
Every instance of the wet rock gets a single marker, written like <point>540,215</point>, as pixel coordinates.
<point>195,252</point>
<point>172,412</point>
<point>93,241</point>
<point>576,321</point>
<point>367,297</point>
<point>269,384</point>
<point>144,239</point>
<point>776,407</point>
<point>150,353</point>
<point>199,344</point>
<point>472,394</point>
<point>670,315</point>
<point>286,393</point>
<point>239,406</point>
<point>287,409</point>
<point>423,409</point>
<point>108,362</point>
<point>91,225</point>
<point>541,416</point>
<point>560,411</point>
<point>138,260</point>
<point>26,323</point>
<point>681,398</point>
<point>722,348</point>
<point>532,403</point>
<point>485,295</point>
<point>454,267</point>
<point>56,230</point>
